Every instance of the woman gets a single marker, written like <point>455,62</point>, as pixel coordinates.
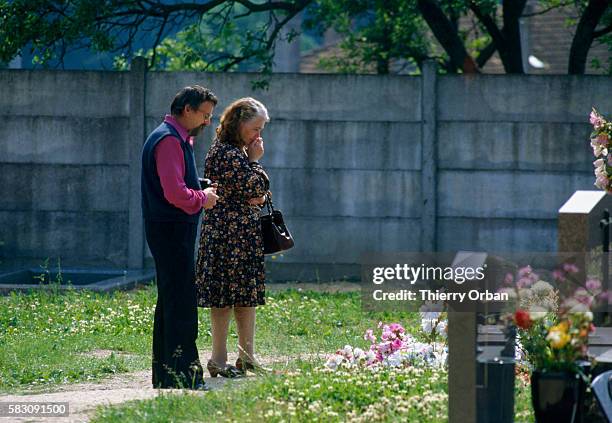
<point>230,269</point>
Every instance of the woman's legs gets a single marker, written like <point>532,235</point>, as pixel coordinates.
<point>245,323</point>
<point>220,318</point>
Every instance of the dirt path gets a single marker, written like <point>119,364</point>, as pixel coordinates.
<point>83,398</point>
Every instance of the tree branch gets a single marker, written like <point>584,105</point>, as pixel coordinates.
<point>602,31</point>
<point>548,9</point>
<point>442,28</point>
<point>584,35</point>
<point>485,54</point>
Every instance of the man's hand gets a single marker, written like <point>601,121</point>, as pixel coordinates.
<point>211,196</point>
<point>255,150</point>
<point>257,201</point>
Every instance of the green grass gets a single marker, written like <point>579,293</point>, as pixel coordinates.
<point>306,394</point>
<point>45,338</point>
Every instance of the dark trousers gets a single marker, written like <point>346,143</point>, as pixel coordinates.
<point>175,328</point>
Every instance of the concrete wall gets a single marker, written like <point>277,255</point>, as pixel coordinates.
<point>64,167</point>
<point>358,163</point>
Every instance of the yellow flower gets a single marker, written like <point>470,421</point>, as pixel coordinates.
<point>561,327</point>
<point>557,337</point>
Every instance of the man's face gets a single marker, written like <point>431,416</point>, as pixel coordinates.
<point>199,118</point>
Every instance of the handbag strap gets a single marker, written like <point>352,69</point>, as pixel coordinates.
<point>269,204</point>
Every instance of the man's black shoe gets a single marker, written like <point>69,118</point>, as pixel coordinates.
<point>201,386</point>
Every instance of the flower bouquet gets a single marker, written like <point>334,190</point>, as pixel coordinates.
<point>601,139</point>
<point>552,342</point>
<point>395,348</point>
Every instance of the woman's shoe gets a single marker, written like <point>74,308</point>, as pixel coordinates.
<point>244,365</point>
<point>227,371</point>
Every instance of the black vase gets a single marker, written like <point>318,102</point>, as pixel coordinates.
<point>557,397</point>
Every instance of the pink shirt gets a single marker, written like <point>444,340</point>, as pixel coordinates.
<point>171,170</point>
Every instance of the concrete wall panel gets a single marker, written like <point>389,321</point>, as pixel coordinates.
<point>64,140</point>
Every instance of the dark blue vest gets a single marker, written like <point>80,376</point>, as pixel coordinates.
<point>155,207</point>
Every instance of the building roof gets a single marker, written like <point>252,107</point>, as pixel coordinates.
<point>547,38</point>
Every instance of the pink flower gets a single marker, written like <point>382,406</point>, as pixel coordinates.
<point>387,334</point>
<point>596,120</point>
<point>558,275</point>
<point>593,284</point>
<point>369,336</point>
<point>582,296</point>
<point>524,282</point>
<point>509,279</point>
<point>384,347</point>
<point>397,328</point>
<point>524,271</point>
<point>570,268</point>
<point>601,181</point>
<point>397,345</point>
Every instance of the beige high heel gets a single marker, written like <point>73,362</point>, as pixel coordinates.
<point>227,371</point>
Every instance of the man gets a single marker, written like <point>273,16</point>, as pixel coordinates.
<point>171,204</point>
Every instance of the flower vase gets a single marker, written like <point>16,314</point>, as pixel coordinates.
<point>557,396</point>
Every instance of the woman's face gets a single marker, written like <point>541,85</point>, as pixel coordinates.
<point>251,130</point>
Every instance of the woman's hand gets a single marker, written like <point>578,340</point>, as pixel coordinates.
<point>255,150</point>
<point>257,201</point>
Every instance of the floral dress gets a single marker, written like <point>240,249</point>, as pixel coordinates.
<point>230,266</point>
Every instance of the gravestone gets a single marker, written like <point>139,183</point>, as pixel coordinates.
<point>579,230</point>
<point>578,227</point>
<point>480,375</point>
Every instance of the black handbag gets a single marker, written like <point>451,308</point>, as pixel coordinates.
<point>276,236</point>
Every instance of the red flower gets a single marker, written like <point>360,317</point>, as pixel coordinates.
<point>522,319</point>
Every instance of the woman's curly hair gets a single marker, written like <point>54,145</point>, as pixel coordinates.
<point>240,111</point>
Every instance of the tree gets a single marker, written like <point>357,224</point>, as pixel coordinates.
<point>375,34</point>
<point>368,25</point>
<point>212,34</point>
<point>51,28</point>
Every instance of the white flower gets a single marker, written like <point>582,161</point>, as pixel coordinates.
<point>542,287</point>
<point>430,315</point>
<point>441,329</point>
<point>359,354</point>
<point>578,308</point>
<point>599,163</point>
<point>394,360</point>
<point>537,313</point>
<point>427,325</point>
<point>334,361</point>
<point>587,315</point>
<point>554,337</point>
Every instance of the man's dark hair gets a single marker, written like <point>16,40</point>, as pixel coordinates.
<point>194,96</point>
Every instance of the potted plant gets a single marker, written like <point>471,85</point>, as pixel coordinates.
<point>555,346</point>
<point>552,330</point>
